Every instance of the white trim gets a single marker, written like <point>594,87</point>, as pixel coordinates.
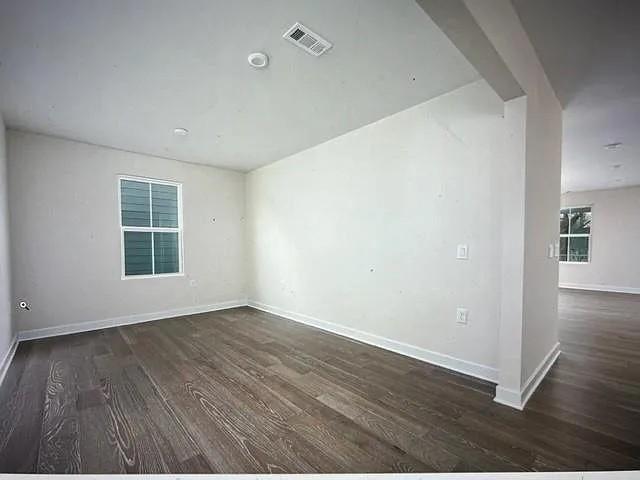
<point>151,229</point>
<point>539,373</point>
<point>600,288</point>
<point>126,320</point>
<point>452,363</point>
<point>510,398</point>
<point>153,253</point>
<point>136,178</point>
<point>8,357</point>
<point>585,205</point>
<point>155,275</point>
<point>518,400</point>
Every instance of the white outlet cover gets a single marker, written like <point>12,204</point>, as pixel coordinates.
<point>462,252</point>
<point>462,316</point>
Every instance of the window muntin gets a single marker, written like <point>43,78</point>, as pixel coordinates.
<point>575,234</point>
<point>151,227</point>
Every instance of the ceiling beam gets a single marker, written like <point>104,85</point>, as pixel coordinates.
<point>455,20</point>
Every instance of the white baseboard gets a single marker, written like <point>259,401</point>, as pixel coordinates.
<point>519,399</point>
<point>452,363</point>
<point>508,397</point>
<point>6,360</point>
<point>126,320</point>
<point>600,288</point>
<point>539,373</point>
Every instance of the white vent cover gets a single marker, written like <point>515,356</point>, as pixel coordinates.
<point>307,40</point>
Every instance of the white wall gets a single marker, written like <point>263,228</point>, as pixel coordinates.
<point>543,151</point>
<point>541,157</point>
<point>615,236</point>
<point>362,230</point>
<point>6,326</point>
<point>66,238</point>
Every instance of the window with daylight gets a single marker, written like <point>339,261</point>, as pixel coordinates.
<point>151,227</point>
<point>575,234</point>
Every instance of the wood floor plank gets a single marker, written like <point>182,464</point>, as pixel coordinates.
<point>21,417</point>
<point>98,452</point>
<point>243,391</point>
<point>326,437</point>
<point>167,426</point>
<point>10,391</point>
<point>59,443</point>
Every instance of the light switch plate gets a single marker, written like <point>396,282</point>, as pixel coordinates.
<point>550,250</point>
<point>462,252</point>
<point>462,316</point>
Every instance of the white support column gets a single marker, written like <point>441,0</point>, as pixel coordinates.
<point>490,35</point>
<point>530,279</point>
<point>513,244</point>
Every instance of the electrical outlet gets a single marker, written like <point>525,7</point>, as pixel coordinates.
<point>462,252</point>
<point>462,316</point>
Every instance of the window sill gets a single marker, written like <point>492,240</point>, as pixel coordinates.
<point>162,275</point>
<point>574,263</point>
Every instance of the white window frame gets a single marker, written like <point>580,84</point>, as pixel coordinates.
<point>178,230</point>
<point>569,235</point>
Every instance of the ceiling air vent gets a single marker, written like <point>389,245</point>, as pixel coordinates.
<point>307,40</point>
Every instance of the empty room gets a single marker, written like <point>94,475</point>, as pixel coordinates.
<point>293,237</point>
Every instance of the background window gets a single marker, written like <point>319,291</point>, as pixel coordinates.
<point>151,229</point>
<point>575,234</point>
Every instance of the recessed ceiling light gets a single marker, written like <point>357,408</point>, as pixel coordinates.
<point>258,60</point>
<point>613,146</point>
<point>183,132</point>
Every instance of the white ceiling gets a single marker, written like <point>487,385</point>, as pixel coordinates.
<point>590,50</point>
<point>125,73</point>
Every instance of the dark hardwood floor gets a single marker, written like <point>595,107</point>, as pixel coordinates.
<point>244,391</point>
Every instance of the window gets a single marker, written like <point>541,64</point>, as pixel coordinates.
<point>575,234</point>
<point>151,227</point>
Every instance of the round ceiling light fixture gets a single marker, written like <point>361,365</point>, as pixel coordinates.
<point>613,146</point>
<point>258,60</point>
<point>183,132</point>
